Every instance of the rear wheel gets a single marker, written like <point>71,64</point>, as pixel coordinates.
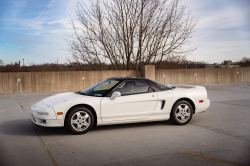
<point>181,113</point>
<point>79,120</point>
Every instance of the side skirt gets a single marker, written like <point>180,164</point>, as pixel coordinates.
<point>152,118</point>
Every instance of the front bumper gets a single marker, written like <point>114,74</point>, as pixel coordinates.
<point>49,120</point>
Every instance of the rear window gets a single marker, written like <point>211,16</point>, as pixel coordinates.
<point>162,86</point>
<point>141,83</point>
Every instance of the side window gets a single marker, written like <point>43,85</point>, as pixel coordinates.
<point>140,86</point>
<point>125,88</point>
<point>132,87</point>
<point>107,85</point>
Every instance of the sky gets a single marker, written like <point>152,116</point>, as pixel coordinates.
<point>34,30</point>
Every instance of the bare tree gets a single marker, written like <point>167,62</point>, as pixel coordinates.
<point>130,33</point>
<point>245,62</point>
<point>1,62</point>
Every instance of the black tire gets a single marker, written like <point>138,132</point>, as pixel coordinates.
<point>79,120</point>
<point>178,114</point>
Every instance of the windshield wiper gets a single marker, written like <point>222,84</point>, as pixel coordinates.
<point>80,92</point>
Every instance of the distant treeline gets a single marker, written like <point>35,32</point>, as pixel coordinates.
<point>77,66</point>
<point>173,63</point>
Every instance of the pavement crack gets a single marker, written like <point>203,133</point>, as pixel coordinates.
<point>205,159</point>
<point>233,104</point>
<point>219,131</point>
<point>44,146</point>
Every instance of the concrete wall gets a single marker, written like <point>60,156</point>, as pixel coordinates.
<point>72,80</point>
<point>202,76</point>
<point>56,81</point>
<point>148,71</point>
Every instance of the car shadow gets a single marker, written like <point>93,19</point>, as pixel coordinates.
<point>132,125</point>
<point>26,128</point>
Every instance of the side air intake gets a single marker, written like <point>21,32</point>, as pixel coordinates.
<point>163,103</point>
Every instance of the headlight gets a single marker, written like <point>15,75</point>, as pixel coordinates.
<point>47,106</point>
<point>42,113</point>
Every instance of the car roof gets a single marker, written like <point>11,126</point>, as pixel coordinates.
<point>127,78</point>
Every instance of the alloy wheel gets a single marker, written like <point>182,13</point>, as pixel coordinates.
<point>183,112</point>
<point>80,121</point>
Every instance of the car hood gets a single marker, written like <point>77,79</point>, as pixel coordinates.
<point>59,98</point>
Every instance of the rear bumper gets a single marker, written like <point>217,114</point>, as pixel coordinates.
<point>207,103</point>
<point>47,122</point>
<point>198,110</point>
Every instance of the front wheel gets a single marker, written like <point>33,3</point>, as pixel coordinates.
<point>79,120</point>
<point>181,113</point>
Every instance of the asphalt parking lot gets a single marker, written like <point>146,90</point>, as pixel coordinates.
<point>219,136</point>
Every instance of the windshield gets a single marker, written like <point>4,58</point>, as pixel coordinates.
<point>100,88</point>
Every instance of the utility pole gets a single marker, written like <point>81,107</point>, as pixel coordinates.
<point>23,62</point>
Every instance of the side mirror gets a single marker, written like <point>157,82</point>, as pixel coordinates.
<point>115,94</point>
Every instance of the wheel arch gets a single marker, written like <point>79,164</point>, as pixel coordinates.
<point>188,100</point>
<point>86,106</point>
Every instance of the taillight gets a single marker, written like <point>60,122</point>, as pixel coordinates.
<point>200,101</point>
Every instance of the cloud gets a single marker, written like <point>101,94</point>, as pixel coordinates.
<point>224,19</point>
<point>71,6</point>
<point>51,3</point>
<point>39,15</point>
<point>212,52</point>
<point>223,31</point>
<point>37,32</point>
<point>13,15</point>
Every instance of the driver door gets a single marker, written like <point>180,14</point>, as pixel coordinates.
<point>135,102</point>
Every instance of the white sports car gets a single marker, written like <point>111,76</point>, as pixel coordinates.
<point>120,100</point>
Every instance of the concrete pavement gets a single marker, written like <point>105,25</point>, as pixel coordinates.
<point>221,135</point>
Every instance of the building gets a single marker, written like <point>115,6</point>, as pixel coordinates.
<point>229,62</point>
<point>230,66</point>
<point>215,65</point>
<point>225,64</point>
